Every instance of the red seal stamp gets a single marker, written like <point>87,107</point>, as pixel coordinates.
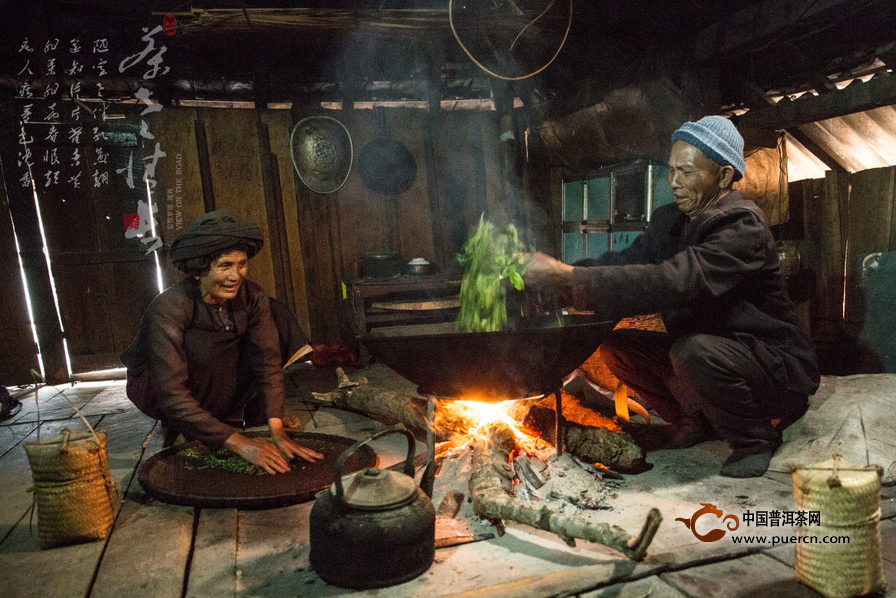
<point>132,221</point>
<point>169,25</point>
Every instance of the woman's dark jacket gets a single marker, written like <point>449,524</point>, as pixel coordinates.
<point>205,363</point>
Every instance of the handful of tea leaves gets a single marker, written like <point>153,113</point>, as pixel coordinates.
<point>225,459</point>
<point>489,258</point>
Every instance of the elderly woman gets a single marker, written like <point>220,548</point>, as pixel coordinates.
<point>208,351</point>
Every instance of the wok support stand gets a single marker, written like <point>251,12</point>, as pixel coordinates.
<point>429,473</point>
<point>559,422</point>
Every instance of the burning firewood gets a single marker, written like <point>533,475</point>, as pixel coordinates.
<point>588,437</point>
<point>491,486</point>
<point>615,450</point>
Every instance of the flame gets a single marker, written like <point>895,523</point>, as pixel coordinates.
<point>475,416</point>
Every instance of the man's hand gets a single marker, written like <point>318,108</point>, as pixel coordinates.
<point>287,445</point>
<point>548,281</point>
<point>543,271</point>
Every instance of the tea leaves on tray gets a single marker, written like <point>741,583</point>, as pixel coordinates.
<point>489,258</point>
<point>222,458</point>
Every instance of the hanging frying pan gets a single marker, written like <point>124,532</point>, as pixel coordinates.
<point>321,150</point>
<point>385,165</point>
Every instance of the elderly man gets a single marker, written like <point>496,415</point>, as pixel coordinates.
<point>207,354</point>
<point>733,359</point>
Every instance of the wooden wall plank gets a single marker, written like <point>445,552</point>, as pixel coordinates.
<point>364,215</point>
<point>316,260</point>
<point>462,197</point>
<point>179,180</point>
<point>20,201</point>
<point>431,169</point>
<point>871,199</point>
<point>829,232</point>
<point>809,243</point>
<point>236,175</point>
<point>270,178</point>
<point>413,213</point>
<point>279,128</point>
<point>18,353</point>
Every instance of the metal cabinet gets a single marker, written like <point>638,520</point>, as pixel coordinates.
<point>606,212</point>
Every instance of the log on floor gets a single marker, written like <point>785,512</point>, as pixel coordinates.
<point>491,485</point>
<point>372,400</point>
<point>615,450</point>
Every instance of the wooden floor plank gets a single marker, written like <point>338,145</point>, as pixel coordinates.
<point>651,586</point>
<point>11,436</point>
<point>755,575</point>
<point>888,542</point>
<point>272,551</point>
<point>213,568</point>
<point>147,552</point>
<point>111,400</point>
<point>53,404</point>
<point>850,416</point>
<point>28,413</point>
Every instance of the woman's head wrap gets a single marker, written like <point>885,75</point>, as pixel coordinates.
<point>210,235</point>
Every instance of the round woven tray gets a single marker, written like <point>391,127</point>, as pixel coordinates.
<point>165,477</point>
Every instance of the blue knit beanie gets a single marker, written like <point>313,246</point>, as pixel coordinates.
<point>718,139</point>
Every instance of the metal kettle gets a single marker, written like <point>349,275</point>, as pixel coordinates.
<point>374,528</point>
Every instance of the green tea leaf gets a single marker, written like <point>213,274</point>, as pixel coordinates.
<point>489,258</point>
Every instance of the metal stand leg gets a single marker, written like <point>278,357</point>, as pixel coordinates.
<point>428,478</point>
<point>430,437</point>
<point>559,422</point>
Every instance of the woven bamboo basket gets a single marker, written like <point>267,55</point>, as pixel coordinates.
<point>848,499</point>
<point>73,487</point>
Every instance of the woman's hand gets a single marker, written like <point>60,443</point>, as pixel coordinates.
<point>258,451</point>
<point>287,445</point>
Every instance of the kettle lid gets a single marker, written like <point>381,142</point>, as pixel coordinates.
<point>377,489</point>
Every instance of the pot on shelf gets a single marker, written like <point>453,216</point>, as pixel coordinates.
<point>381,265</point>
<point>375,528</point>
<point>419,267</point>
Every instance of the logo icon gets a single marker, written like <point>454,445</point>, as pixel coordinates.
<point>169,25</point>
<point>713,534</point>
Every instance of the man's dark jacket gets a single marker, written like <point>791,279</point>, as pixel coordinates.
<point>716,274</point>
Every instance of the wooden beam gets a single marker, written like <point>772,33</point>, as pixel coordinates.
<point>273,202</point>
<point>758,22</point>
<point>759,137</point>
<point>829,160</point>
<point>856,97</point>
<point>205,169</point>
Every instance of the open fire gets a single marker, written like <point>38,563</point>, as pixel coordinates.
<point>471,418</point>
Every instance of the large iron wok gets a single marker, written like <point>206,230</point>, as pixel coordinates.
<point>527,361</point>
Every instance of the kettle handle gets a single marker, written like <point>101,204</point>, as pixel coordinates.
<point>408,462</point>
